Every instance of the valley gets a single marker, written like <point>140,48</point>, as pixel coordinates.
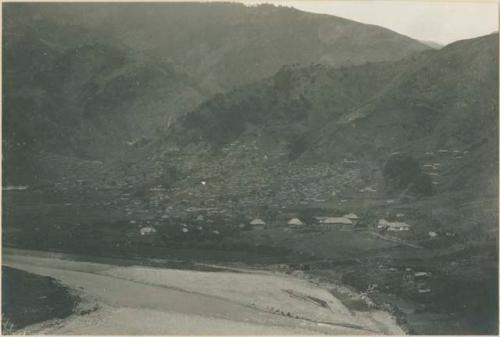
<point>348,160</point>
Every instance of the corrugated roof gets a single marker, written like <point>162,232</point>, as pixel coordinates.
<point>341,220</point>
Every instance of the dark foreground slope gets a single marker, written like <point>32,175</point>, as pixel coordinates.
<point>28,299</point>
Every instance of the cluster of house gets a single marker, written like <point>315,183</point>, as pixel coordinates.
<point>416,281</point>
<point>420,279</point>
<point>145,230</point>
<point>350,219</point>
<point>432,168</point>
<point>347,219</point>
<point>396,226</point>
<point>399,226</point>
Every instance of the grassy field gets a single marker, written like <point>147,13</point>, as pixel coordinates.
<point>29,299</point>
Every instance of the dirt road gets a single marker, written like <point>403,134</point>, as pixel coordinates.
<point>146,300</point>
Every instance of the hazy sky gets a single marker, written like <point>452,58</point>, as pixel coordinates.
<point>442,22</point>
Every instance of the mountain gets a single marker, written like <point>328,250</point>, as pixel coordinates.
<point>86,83</point>
<point>432,44</point>
<point>229,44</point>
<point>438,106</point>
<point>83,83</point>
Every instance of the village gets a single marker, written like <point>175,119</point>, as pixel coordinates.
<point>218,197</point>
<point>326,215</point>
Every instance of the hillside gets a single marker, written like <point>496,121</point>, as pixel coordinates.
<point>442,108</point>
<point>439,103</point>
<point>71,93</point>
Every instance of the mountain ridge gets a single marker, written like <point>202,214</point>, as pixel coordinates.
<point>223,35</point>
<point>71,69</point>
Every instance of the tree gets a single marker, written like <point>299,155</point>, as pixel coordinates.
<point>402,173</point>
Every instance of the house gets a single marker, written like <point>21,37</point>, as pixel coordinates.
<point>433,234</point>
<point>295,222</point>
<point>393,226</point>
<point>421,276</point>
<point>147,230</point>
<point>257,222</point>
<point>351,216</point>
<point>421,273</point>
<point>336,221</point>
<point>398,227</point>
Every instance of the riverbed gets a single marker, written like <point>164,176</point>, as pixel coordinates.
<point>131,299</point>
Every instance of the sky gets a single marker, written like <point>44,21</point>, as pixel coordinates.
<point>441,22</point>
